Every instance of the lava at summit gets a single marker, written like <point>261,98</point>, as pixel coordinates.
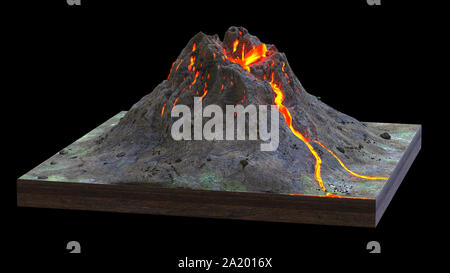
<point>249,58</point>
<point>241,69</point>
<point>253,56</point>
<point>210,138</point>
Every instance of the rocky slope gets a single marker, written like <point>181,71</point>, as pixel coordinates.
<point>140,149</point>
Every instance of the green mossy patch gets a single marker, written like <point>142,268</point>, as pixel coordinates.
<point>309,185</point>
<point>232,186</point>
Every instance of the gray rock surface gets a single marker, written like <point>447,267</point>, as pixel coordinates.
<point>140,148</point>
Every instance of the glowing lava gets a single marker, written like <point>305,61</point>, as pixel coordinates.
<point>343,166</point>
<point>195,78</point>
<point>249,58</point>
<point>175,102</point>
<point>178,65</point>
<point>246,60</point>
<point>235,45</point>
<point>162,111</point>
<point>192,63</point>
<point>288,118</point>
<point>254,56</point>
<point>170,72</point>
<point>205,91</point>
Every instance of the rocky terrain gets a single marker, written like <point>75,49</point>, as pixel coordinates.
<point>139,149</point>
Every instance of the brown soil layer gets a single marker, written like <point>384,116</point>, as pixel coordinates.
<point>139,148</point>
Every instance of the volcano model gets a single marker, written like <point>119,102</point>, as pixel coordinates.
<point>321,152</point>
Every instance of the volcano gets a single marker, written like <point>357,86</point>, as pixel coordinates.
<point>239,70</point>
<point>321,151</point>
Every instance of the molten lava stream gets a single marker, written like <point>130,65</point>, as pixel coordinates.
<point>249,58</point>
<point>162,111</point>
<point>253,56</point>
<point>288,118</point>
<point>347,169</point>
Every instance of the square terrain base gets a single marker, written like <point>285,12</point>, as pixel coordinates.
<point>363,212</point>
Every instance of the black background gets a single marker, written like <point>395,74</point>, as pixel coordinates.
<point>79,65</point>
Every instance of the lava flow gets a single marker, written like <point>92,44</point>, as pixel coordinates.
<point>253,56</point>
<point>347,169</point>
<point>245,60</point>
<point>288,118</point>
<point>249,58</point>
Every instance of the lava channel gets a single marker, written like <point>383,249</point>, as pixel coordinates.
<point>254,56</point>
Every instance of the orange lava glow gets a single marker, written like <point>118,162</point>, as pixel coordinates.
<point>192,63</point>
<point>162,111</point>
<point>205,91</point>
<point>170,72</point>
<point>175,102</point>
<point>195,78</point>
<point>245,61</point>
<point>331,195</point>
<point>288,118</point>
<point>176,69</point>
<point>257,54</point>
<point>285,73</point>
<point>235,45</point>
<point>251,57</point>
<point>343,166</point>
